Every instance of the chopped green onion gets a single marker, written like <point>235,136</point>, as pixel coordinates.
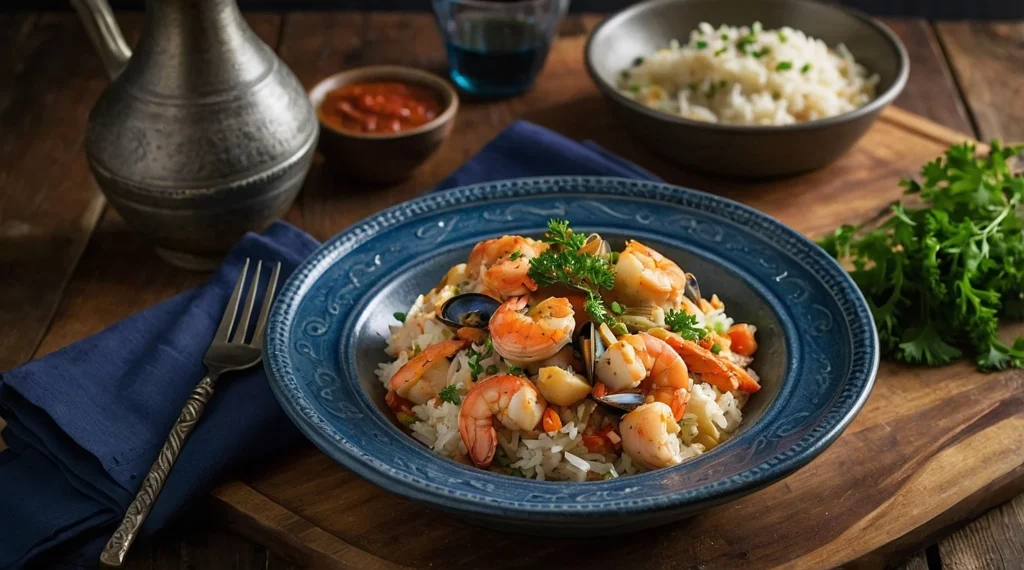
<point>776,95</point>
<point>693,86</point>
<point>783,38</point>
<point>721,50</point>
<point>725,37</point>
<point>722,83</point>
<point>400,317</point>
<point>805,68</point>
<point>762,52</point>
<point>784,65</point>
<point>633,88</point>
<point>515,371</point>
<point>638,61</point>
<point>702,44</point>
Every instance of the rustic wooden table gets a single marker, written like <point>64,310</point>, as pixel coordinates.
<point>69,266</point>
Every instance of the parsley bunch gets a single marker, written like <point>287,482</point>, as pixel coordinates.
<point>940,276</point>
<point>563,263</point>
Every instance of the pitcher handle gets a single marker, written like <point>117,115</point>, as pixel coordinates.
<point>106,37</point>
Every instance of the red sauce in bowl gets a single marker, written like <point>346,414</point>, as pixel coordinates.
<point>380,107</point>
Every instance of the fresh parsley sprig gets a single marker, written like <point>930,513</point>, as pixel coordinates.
<point>685,325</point>
<point>563,263</point>
<point>939,277</point>
<point>450,394</point>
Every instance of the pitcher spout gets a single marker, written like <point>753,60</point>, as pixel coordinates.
<point>106,37</point>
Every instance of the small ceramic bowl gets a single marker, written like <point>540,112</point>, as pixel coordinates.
<point>740,151</point>
<point>384,157</point>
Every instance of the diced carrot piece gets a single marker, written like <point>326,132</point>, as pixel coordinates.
<point>599,390</point>
<point>597,444</point>
<point>742,337</point>
<point>551,422</point>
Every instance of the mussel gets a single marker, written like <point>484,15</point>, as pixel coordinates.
<point>624,401</point>
<point>590,342</point>
<point>692,289</point>
<point>472,310</point>
<point>643,318</point>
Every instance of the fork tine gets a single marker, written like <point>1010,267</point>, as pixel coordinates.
<point>229,312</point>
<point>268,300</point>
<point>250,300</point>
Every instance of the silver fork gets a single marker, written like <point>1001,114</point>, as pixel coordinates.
<point>227,352</point>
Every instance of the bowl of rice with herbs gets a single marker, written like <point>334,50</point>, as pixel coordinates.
<point>746,88</point>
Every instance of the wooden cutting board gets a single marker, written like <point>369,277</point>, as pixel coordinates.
<point>931,447</point>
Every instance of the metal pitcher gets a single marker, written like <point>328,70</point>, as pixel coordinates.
<point>203,133</point>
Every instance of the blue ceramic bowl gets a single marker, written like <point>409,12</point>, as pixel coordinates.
<point>817,360</point>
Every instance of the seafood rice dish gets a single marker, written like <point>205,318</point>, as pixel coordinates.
<point>563,359</point>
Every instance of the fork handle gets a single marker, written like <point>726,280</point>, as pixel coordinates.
<point>117,547</point>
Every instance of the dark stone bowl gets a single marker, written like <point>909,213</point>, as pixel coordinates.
<point>744,151</point>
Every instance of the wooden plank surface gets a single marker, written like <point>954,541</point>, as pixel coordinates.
<point>993,541</point>
<point>987,62</point>
<point>318,44</point>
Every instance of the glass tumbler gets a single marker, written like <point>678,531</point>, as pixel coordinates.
<point>495,48</point>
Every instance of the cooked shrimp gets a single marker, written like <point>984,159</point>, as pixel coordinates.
<point>642,274</point>
<point>512,400</point>
<point>649,436</point>
<point>714,369</point>
<point>535,335</point>
<point>650,363</point>
<point>491,262</point>
<point>426,373</point>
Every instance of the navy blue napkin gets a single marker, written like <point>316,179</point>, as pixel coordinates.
<point>85,423</point>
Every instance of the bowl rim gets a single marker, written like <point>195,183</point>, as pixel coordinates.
<point>872,107</point>
<point>395,72</point>
<point>278,357</point>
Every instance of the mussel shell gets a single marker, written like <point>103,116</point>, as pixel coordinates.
<point>622,401</point>
<point>589,344</point>
<point>472,310</point>
<point>692,289</point>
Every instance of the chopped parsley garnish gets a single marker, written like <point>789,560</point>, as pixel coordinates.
<point>473,361</point>
<point>450,394</point>
<point>702,44</point>
<point>563,263</point>
<point>745,42</point>
<point>400,317</point>
<point>685,325</point>
<point>784,65</point>
<point>721,50</point>
<point>617,308</point>
<point>515,255</point>
<point>762,52</point>
<point>638,61</point>
<point>805,68</point>
<point>516,371</point>
<point>938,277</point>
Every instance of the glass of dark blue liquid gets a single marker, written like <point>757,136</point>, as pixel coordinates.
<point>495,48</point>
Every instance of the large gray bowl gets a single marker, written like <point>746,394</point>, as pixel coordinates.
<point>744,151</point>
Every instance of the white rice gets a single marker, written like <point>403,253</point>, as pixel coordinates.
<point>778,77</point>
